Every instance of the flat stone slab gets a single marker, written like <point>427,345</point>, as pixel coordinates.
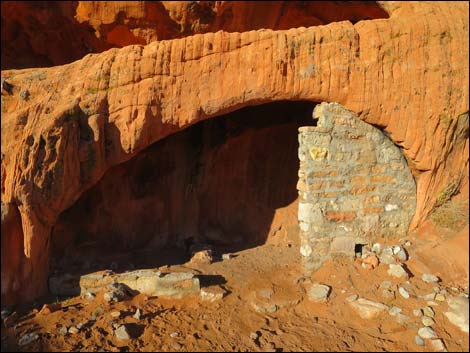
<point>148,282</point>
<point>318,292</point>
<point>458,312</point>
<point>368,309</point>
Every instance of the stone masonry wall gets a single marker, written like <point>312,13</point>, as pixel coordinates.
<point>354,184</point>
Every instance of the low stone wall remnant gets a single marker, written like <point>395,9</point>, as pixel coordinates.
<point>354,186</point>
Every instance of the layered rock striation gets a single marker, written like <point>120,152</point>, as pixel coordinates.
<point>64,127</point>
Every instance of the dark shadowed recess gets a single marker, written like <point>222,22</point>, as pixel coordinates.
<point>219,181</point>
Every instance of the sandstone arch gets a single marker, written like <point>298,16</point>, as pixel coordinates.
<point>120,101</point>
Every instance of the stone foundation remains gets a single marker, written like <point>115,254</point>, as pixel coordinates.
<point>354,186</point>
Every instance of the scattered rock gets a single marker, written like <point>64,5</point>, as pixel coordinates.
<point>63,330</point>
<point>80,325</point>
<point>27,339</point>
<point>368,309</point>
<point>116,292</point>
<point>417,312</point>
<point>428,311</point>
<point>388,294</point>
<point>396,249</point>
<point>386,284</point>
<point>174,334</point>
<point>427,321</point>
<point>89,295</point>
<point>264,308</point>
<point>212,294</point>
<point>377,248</point>
<point>458,312</point>
<point>227,256</point>
<point>440,297</point>
<point>401,318</point>
<point>403,292</point>
<point>429,296</point>
<point>394,310</point>
<point>318,292</point>
<point>352,298</point>
<point>50,308</point>
<point>386,256</point>
<point>429,278</point>
<point>137,314</point>
<point>397,271</point>
<point>427,333</point>
<point>402,255</point>
<point>116,325</point>
<point>419,341</point>
<point>437,345</point>
<point>176,346</point>
<point>254,335</point>
<point>121,333</point>
<point>407,243</point>
<point>202,257</point>
<point>371,262</point>
<point>73,330</point>
<point>115,314</point>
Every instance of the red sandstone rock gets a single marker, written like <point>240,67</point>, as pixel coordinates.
<point>407,74</point>
<point>371,262</point>
<point>50,308</point>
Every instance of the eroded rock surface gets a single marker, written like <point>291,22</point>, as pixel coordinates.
<point>80,119</point>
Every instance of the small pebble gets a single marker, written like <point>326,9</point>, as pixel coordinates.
<point>401,319</point>
<point>429,278</point>
<point>63,330</point>
<point>115,314</point>
<point>429,296</point>
<point>403,292</point>
<point>437,345</point>
<point>394,310</point>
<point>227,256</point>
<point>397,271</point>
<point>376,248</point>
<point>121,333</point>
<point>419,341</point>
<point>427,333</point>
<point>174,334</point>
<point>254,335</point>
<point>137,314</point>
<point>352,298</point>
<point>440,297</point>
<point>73,330</point>
<point>89,295</point>
<point>417,312</point>
<point>386,284</point>
<point>427,321</point>
<point>428,311</point>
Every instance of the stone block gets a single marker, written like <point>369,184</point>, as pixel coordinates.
<point>343,246</point>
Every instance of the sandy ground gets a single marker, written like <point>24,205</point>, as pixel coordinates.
<point>191,324</point>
